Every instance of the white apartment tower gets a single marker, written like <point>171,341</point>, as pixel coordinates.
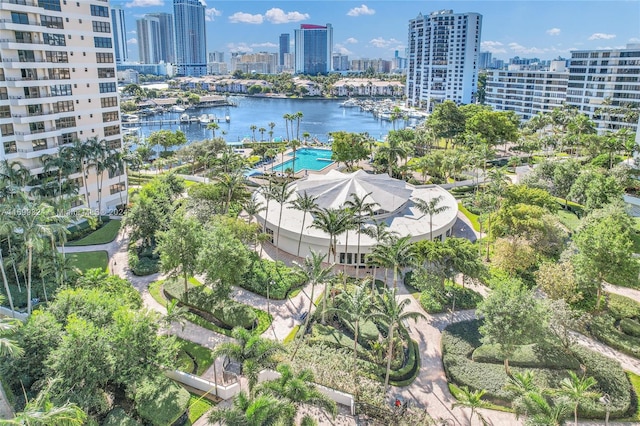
<point>119,34</point>
<point>443,58</point>
<point>59,85</point>
<point>605,78</point>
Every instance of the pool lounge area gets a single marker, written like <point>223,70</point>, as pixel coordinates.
<point>313,159</point>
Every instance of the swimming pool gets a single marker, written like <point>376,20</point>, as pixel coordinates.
<point>307,159</point>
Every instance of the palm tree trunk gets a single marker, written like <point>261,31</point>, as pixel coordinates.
<point>29,261</point>
<point>266,214</point>
<point>357,262</point>
<point>6,283</point>
<point>575,414</point>
<point>304,216</point>
<point>13,264</point>
<point>346,250</point>
<point>278,232</point>
<point>389,356</point>
<point>355,351</point>
<point>306,322</point>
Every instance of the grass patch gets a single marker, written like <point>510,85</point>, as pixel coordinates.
<point>292,334</point>
<point>570,220</point>
<point>198,407</point>
<point>102,235</point>
<point>89,260</point>
<point>200,354</point>
<point>635,382</point>
<point>473,218</point>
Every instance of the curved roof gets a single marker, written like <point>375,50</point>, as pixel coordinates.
<point>334,189</point>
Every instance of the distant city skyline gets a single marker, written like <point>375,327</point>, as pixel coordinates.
<point>375,29</point>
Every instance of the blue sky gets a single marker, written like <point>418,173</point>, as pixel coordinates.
<point>374,29</point>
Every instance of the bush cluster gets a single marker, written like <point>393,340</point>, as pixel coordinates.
<point>528,356</point>
<point>143,261</point>
<point>262,272</point>
<point>436,299</point>
<point>619,326</point>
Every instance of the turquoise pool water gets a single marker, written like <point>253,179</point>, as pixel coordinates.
<point>307,159</point>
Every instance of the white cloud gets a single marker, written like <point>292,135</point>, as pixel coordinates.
<point>553,31</point>
<point>518,48</point>
<point>239,47</point>
<point>210,14</point>
<point>132,41</point>
<point>362,10</point>
<point>351,40</point>
<point>245,18</point>
<point>381,42</point>
<point>339,48</point>
<point>132,32</point>
<point>279,16</point>
<point>601,36</point>
<point>634,40</point>
<point>266,44</point>
<point>493,47</point>
<point>145,3</point>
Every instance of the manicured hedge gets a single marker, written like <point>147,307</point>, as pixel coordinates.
<point>630,327</point>
<point>602,327</point>
<point>201,299</point>
<point>622,307</point>
<point>435,300</point>
<point>143,260</point>
<point>161,403</point>
<point>118,417</point>
<point>333,337</point>
<point>262,272</point>
<point>460,340</point>
<point>528,356</point>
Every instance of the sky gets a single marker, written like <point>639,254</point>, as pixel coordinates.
<point>375,29</point>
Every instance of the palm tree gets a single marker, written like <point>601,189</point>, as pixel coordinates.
<point>363,210</point>
<point>85,153</point>
<point>520,384</point>
<point>577,390</point>
<point>63,164</point>
<point>253,353</point>
<point>379,231</point>
<point>298,116</point>
<point>265,409</point>
<point>262,130</point>
<point>472,400</point>
<point>355,306</point>
<point>253,128</point>
<point>298,389</point>
<point>396,254</point>
<point>305,203</point>
<point>213,126</point>
<point>281,195</point>
<point>294,144</point>
<point>102,161</point>
<point>312,272</point>
<point>394,314</point>
<point>431,208</point>
<point>333,222</point>
<point>394,148</point>
<point>8,348</point>
<point>41,411</point>
<point>252,207</point>
<point>287,119</point>
<point>271,126</point>
<point>540,412</point>
<point>233,184</point>
<point>268,192</point>
<point>6,283</point>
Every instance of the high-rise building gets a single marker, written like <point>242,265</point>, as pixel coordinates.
<point>261,63</point>
<point>216,56</point>
<point>191,37</point>
<point>443,58</point>
<point>604,83</point>
<point>119,34</point>
<point>156,38</point>
<point>58,87</point>
<point>284,47</point>
<point>313,47</point>
<point>484,60</point>
<point>340,62</point>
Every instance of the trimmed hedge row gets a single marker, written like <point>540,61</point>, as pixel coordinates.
<point>262,272</point>
<point>143,261</point>
<point>528,356</point>
<point>334,338</point>
<point>118,417</point>
<point>460,340</point>
<point>203,301</point>
<point>630,327</point>
<point>162,405</point>
<point>435,300</point>
<point>603,328</point>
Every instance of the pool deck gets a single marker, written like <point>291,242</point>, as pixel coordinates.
<point>302,173</point>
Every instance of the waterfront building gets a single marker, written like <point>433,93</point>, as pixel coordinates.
<point>313,48</point>
<point>604,83</point>
<point>366,87</point>
<point>217,68</point>
<point>261,63</point>
<point>399,64</point>
<point>163,69</point>
<point>443,58</point>
<point>484,60</point>
<point>119,34</point>
<point>285,47</point>
<point>59,87</point>
<point>527,92</point>
<point>289,61</point>
<point>394,204</point>
<point>156,38</point>
<point>191,36</point>
<point>216,56</point>
<point>340,62</point>
<point>375,65</point>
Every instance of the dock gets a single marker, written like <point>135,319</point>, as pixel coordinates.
<point>171,121</point>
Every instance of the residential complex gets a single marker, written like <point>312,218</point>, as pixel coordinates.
<point>527,92</point>
<point>59,85</point>
<point>119,29</point>
<point>443,58</point>
<point>191,46</point>
<point>285,47</point>
<point>261,63</point>
<point>156,38</point>
<point>313,49</point>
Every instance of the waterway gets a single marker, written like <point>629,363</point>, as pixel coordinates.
<point>320,117</point>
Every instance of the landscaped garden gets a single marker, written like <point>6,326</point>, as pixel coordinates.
<point>89,260</point>
<point>102,235</point>
<point>618,325</point>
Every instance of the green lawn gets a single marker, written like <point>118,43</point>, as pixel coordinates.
<point>473,218</point>
<point>89,260</point>
<point>201,355</point>
<point>568,219</point>
<point>103,235</point>
<point>198,406</point>
<point>635,382</point>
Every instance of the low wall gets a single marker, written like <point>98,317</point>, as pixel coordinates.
<point>224,392</point>
<point>13,314</point>
<point>341,398</point>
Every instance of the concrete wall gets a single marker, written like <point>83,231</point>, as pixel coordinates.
<point>224,392</point>
<point>8,313</point>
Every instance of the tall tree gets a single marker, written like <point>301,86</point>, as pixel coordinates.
<point>305,203</point>
<point>281,195</point>
<point>473,400</point>
<point>265,409</point>
<point>363,210</point>
<point>578,390</point>
<point>379,231</point>
<point>396,254</point>
<point>431,208</point>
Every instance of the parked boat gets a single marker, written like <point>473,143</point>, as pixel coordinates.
<point>129,118</point>
<point>227,118</point>
<point>204,119</point>
<point>349,103</point>
<point>177,108</point>
<point>184,118</point>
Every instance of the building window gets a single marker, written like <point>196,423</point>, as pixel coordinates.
<point>114,144</point>
<point>57,57</point>
<point>109,102</point>
<point>59,74</point>
<point>111,130</point>
<point>109,116</point>
<point>54,39</point>
<point>23,37</point>
<point>65,122</point>
<point>3,93</point>
<point>67,138</point>
<point>26,56</point>
<point>99,11</point>
<point>101,27</point>
<point>19,18</point>
<point>51,22</point>
<point>37,127</point>
<point>106,73</point>
<point>28,74</point>
<point>33,110</point>
<point>10,147</point>
<point>39,144</point>
<point>118,187</point>
<point>6,129</point>
<point>61,90</point>
<point>102,42</point>
<point>31,92</point>
<point>63,106</point>
<point>5,111</point>
<point>50,4</point>
<point>107,87</point>
<point>104,58</point>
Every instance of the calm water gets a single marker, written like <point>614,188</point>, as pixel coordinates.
<point>309,159</point>
<point>320,117</point>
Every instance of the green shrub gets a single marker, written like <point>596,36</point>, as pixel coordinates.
<point>630,327</point>
<point>333,337</point>
<point>161,401</point>
<point>602,327</point>
<point>434,300</point>
<point>622,307</point>
<point>262,272</point>
<point>143,261</point>
<point>528,356</point>
<point>118,417</point>
<point>430,302</point>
